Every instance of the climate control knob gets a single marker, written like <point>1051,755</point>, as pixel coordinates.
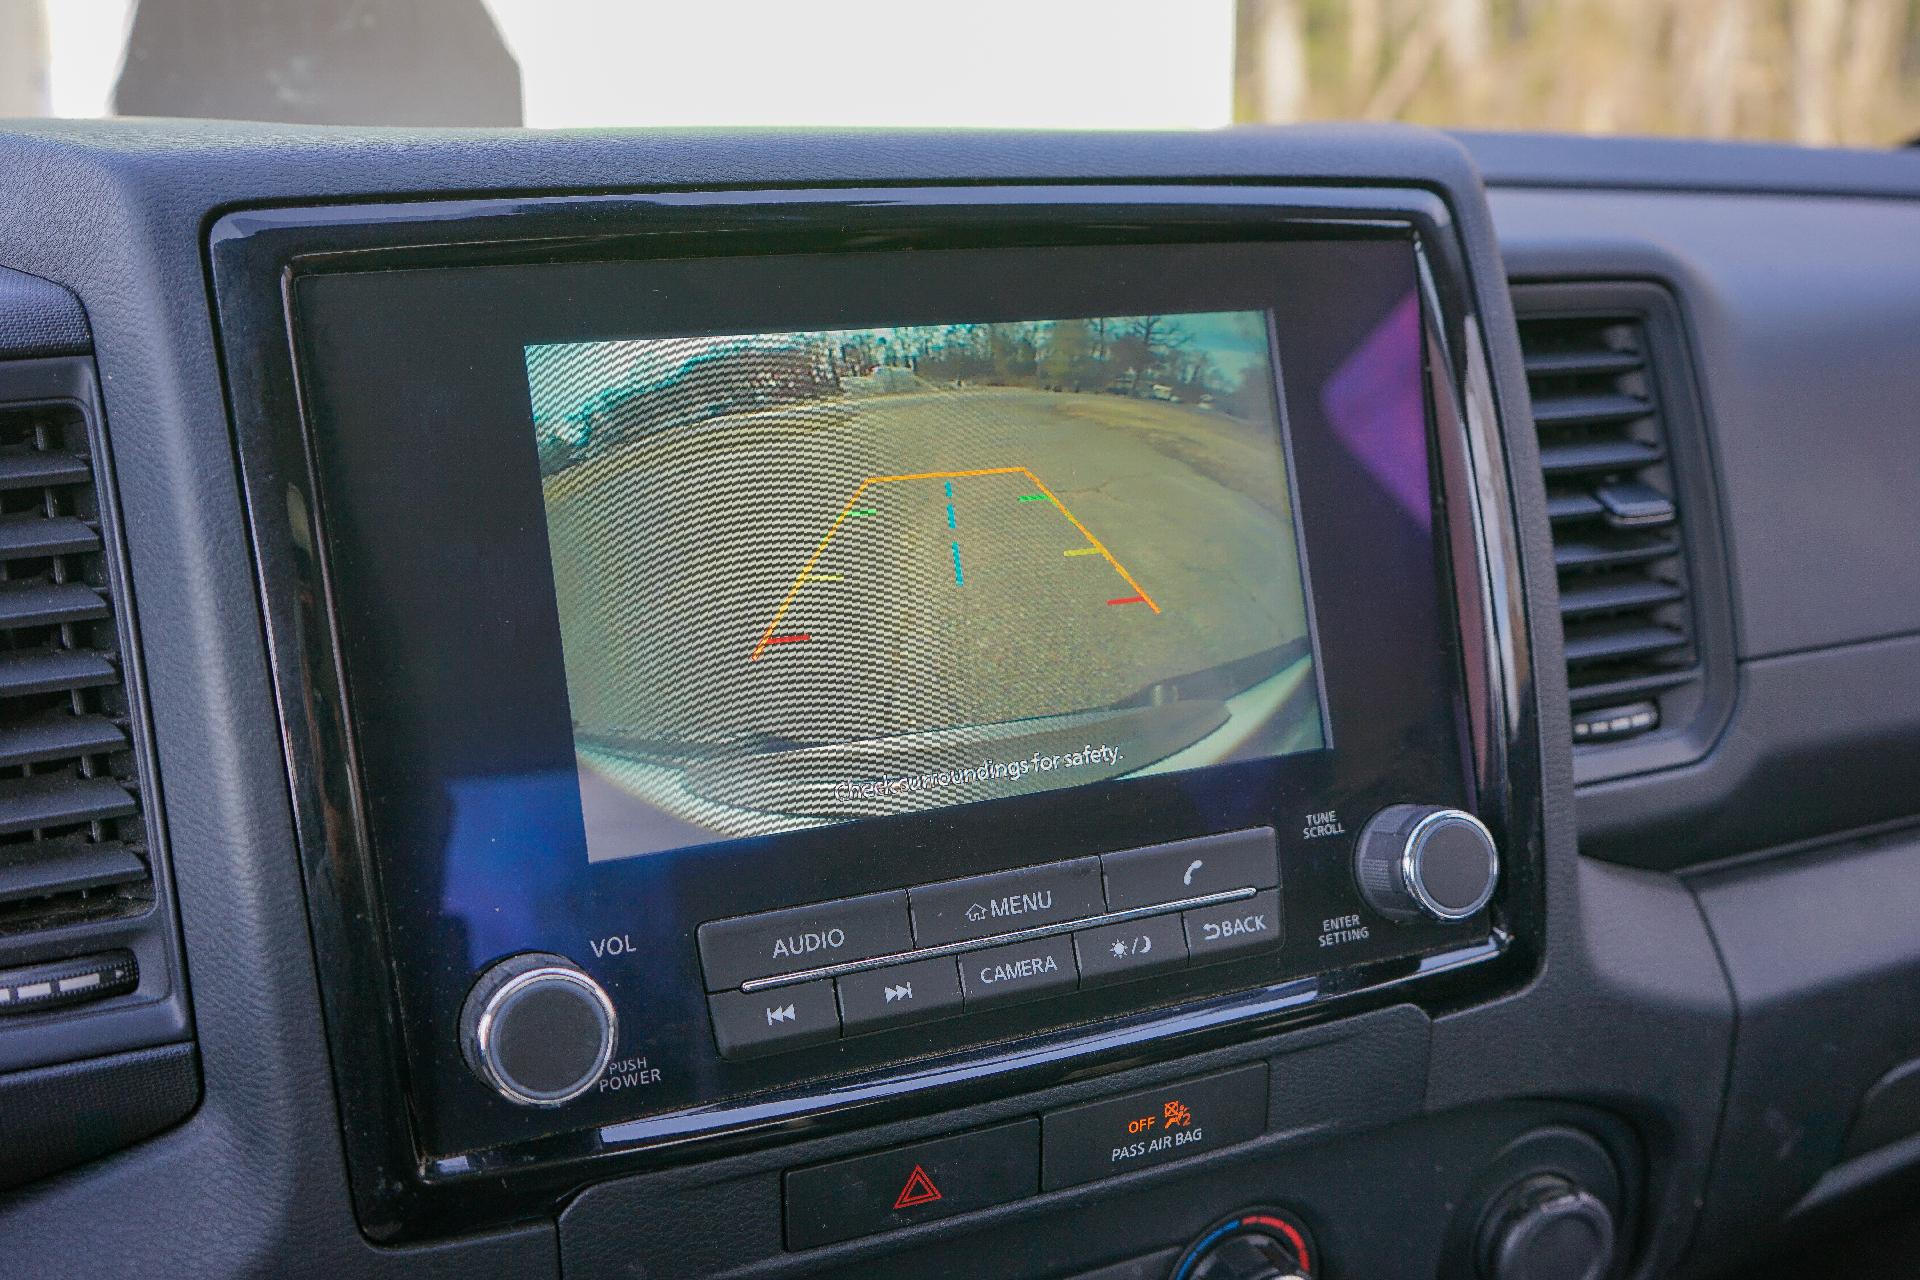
<point>537,1029</point>
<point>1418,860</point>
<point>1547,1229</point>
<point>1250,1257</point>
<point>1262,1245</point>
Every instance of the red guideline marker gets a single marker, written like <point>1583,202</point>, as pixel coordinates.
<point>1129,600</point>
<point>791,638</point>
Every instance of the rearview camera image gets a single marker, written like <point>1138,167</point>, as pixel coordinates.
<point>813,577</point>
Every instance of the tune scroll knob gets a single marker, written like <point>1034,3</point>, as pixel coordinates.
<point>537,1029</point>
<point>1416,860</point>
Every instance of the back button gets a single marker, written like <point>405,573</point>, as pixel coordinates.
<point>1233,929</point>
<point>898,1188</point>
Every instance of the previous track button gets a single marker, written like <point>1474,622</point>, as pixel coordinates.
<point>749,1024</point>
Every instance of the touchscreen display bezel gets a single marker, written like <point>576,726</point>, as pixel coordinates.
<point>440,576</point>
<point>395,961</point>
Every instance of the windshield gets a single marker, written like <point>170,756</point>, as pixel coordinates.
<point>1824,72</point>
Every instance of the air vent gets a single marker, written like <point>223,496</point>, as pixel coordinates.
<point>72,843</point>
<point>1619,542</point>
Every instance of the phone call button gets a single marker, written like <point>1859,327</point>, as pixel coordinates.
<point>1184,869</point>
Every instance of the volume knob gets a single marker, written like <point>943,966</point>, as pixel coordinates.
<point>1417,860</point>
<point>537,1029</point>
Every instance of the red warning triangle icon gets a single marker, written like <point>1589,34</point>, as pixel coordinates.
<point>919,1190</point>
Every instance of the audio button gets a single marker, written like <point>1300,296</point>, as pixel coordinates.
<point>799,938</point>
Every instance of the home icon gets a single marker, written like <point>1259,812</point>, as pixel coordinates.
<point>976,913</point>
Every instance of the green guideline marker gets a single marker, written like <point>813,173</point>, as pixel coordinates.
<point>863,511</point>
<point>1033,497</point>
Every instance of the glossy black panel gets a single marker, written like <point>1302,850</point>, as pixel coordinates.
<point>420,672</point>
<point>432,512</point>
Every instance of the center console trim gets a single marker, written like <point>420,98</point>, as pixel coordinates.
<point>254,254</point>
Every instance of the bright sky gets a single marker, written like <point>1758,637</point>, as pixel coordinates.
<point>1099,64</point>
<point>1108,64</point>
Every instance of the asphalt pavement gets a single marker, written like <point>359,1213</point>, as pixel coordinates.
<point>845,570</point>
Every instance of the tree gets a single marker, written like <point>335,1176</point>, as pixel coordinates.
<point>1147,345</point>
<point>1067,363</point>
<point>1251,397</point>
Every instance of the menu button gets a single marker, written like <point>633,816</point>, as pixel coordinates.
<point>1006,901</point>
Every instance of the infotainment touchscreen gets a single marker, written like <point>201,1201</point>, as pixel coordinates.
<point>809,577</point>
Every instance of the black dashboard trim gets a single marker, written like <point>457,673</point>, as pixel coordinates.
<point>1547,161</point>
<point>38,318</point>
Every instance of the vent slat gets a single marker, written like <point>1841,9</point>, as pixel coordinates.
<point>1582,598</point>
<point>63,535</point>
<point>1598,410</point>
<point>61,867</point>
<point>1595,692</point>
<point>1586,363</point>
<point>1612,552</point>
<point>40,468</point>
<point>40,801</point>
<point>1588,457</point>
<point>1619,641</point>
<point>49,670</point>
<point>57,736</point>
<point>1565,507</point>
<point>50,604</point>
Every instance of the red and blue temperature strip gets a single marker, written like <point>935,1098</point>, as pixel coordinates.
<point>1264,1223</point>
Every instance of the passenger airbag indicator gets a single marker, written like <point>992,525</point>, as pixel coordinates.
<point>1100,1139</point>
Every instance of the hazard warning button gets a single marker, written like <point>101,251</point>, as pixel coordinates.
<point>928,1180</point>
<point>919,1189</point>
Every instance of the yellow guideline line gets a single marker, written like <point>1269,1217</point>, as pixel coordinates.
<point>806,569</point>
<point>1092,541</point>
<point>947,475</point>
<point>807,574</point>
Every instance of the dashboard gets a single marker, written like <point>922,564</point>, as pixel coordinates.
<point>1319,702</point>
